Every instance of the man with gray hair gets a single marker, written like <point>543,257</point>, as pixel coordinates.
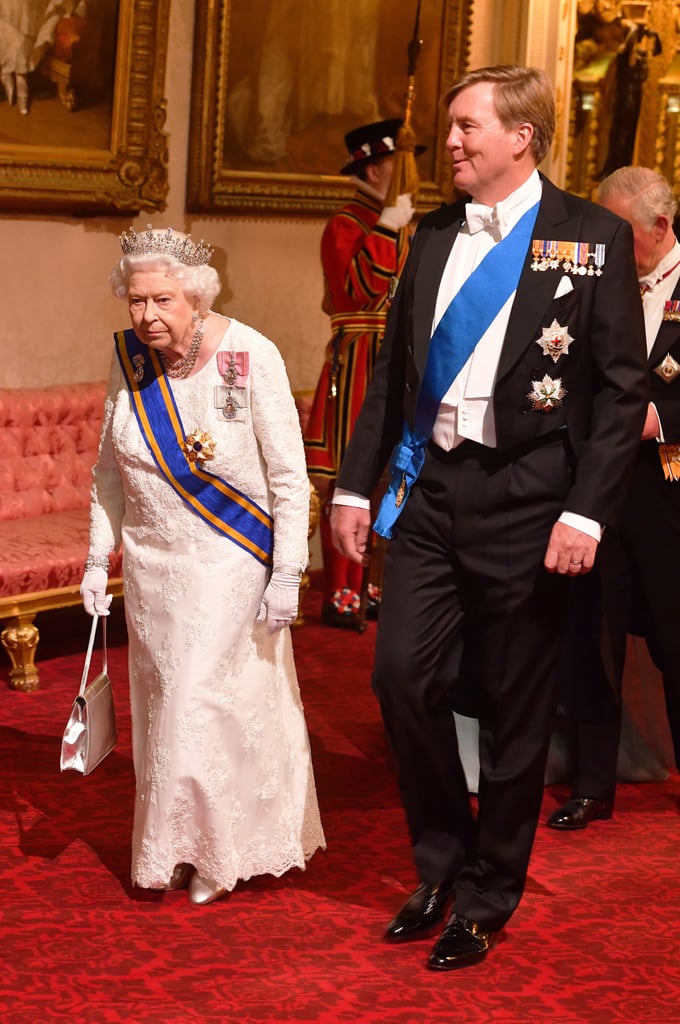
<point>639,560</point>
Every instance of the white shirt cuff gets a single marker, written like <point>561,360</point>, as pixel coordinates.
<point>343,497</point>
<point>582,523</point>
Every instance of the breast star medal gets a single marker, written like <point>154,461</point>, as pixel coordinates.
<point>546,394</point>
<point>555,341</point>
<point>199,446</point>
<point>668,369</point>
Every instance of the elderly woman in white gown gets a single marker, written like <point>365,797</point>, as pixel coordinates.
<point>201,474</point>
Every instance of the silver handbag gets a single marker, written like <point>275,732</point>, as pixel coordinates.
<point>90,732</point>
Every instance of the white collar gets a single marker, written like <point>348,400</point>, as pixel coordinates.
<point>502,217</point>
<point>662,270</point>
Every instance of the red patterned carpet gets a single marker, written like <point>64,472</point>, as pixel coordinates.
<point>595,941</point>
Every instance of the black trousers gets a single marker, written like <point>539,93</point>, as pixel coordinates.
<point>470,620</point>
<point>637,590</point>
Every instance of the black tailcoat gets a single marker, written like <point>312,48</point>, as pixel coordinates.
<point>465,593</point>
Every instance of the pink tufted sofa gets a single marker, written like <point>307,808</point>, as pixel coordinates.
<point>48,444</point>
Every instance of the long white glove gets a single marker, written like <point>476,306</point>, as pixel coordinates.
<point>279,605</point>
<point>398,216</point>
<point>93,592</point>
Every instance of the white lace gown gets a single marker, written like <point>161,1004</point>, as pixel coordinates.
<point>220,747</point>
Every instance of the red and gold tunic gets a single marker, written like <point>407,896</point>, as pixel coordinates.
<point>359,257</point>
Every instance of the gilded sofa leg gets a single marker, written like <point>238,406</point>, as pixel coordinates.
<point>314,516</point>
<point>20,639</point>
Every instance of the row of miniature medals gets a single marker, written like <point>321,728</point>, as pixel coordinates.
<point>571,257</point>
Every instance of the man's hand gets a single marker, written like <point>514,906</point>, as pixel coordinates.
<point>350,526</point>
<point>570,552</point>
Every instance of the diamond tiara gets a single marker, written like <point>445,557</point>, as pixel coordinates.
<point>166,243</point>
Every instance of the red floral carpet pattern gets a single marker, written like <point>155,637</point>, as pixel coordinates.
<point>596,939</point>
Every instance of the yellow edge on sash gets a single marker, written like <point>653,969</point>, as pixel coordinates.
<point>189,498</point>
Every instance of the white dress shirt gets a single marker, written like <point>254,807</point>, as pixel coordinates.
<point>466,410</point>
<point>657,289</point>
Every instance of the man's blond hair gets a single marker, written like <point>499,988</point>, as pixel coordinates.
<point>521,96</point>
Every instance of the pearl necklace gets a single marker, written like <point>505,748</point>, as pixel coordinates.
<point>181,368</point>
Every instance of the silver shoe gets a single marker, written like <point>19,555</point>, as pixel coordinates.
<point>204,890</point>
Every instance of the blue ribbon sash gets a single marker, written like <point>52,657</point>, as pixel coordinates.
<point>219,504</point>
<point>466,320</point>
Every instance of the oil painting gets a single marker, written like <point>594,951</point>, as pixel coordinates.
<point>81,112</point>
<point>278,83</point>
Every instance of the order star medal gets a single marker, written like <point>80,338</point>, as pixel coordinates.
<point>555,341</point>
<point>546,394</point>
<point>199,446</point>
<point>668,369</point>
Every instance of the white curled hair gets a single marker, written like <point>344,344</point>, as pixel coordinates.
<point>201,282</point>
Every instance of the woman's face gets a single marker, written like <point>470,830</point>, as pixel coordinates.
<point>160,312</point>
<point>607,10</point>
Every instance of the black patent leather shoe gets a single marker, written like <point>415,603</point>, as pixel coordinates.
<point>461,943</point>
<point>579,812</point>
<point>423,910</point>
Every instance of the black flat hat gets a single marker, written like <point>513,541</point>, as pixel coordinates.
<point>372,141</point>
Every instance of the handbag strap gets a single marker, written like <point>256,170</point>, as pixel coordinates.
<point>90,648</point>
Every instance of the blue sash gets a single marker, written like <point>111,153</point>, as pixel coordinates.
<point>467,318</point>
<point>218,503</point>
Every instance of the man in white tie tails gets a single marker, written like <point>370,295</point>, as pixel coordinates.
<point>510,393</point>
<point>640,564</point>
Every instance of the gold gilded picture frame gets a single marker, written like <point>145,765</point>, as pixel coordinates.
<point>92,139</point>
<point>278,83</point>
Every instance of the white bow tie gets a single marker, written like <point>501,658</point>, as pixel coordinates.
<point>487,218</point>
